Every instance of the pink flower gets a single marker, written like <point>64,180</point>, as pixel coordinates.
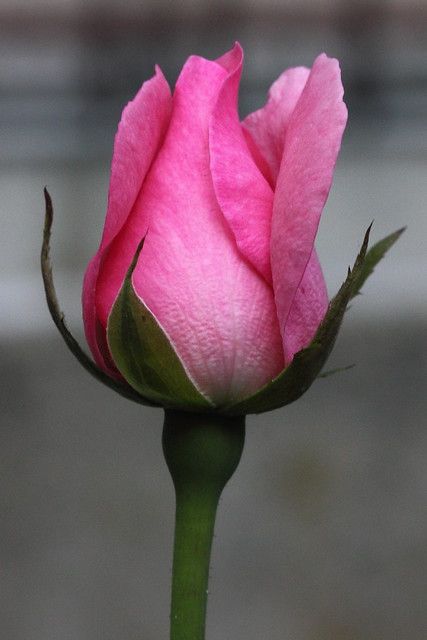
<point>229,211</point>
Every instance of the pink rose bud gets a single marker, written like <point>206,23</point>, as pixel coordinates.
<point>227,287</point>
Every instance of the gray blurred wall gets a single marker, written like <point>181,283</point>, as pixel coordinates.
<point>322,532</point>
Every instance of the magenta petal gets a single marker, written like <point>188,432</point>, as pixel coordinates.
<point>312,143</point>
<point>308,309</point>
<point>218,312</point>
<point>143,124</point>
<point>244,195</point>
<point>89,313</point>
<point>141,130</point>
<point>266,127</point>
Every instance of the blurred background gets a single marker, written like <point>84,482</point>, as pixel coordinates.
<point>322,532</point>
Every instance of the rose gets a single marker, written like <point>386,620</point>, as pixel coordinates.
<point>226,308</point>
<point>206,294</point>
<point>229,212</point>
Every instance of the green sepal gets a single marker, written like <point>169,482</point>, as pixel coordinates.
<point>57,315</point>
<point>307,364</point>
<point>372,258</point>
<point>144,355</point>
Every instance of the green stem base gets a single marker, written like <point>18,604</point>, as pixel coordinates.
<point>202,452</point>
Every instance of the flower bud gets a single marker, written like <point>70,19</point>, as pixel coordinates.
<point>223,307</point>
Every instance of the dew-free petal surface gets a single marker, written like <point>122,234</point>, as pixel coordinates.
<point>312,143</point>
<point>244,195</point>
<point>267,126</point>
<point>140,133</point>
<point>217,310</point>
<point>308,309</point>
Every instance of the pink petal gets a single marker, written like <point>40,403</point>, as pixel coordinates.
<point>308,309</point>
<point>244,195</point>
<point>140,133</point>
<point>218,312</point>
<point>258,158</point>
<point>91,323</point>
<point>267,126</point>
<point>312,143</point>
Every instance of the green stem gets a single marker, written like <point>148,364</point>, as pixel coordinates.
<point>202,452</point>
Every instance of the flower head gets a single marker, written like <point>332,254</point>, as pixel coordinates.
<point>227,291</point>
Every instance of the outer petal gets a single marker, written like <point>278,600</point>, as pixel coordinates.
<point>267,126</point>
<point>312,143</point>
<point>138,138</point>
<point>308,309</point>
<point>244,195</point>
<point>219,313</point>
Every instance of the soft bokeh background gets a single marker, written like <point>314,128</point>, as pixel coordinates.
<point>322,532</point>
